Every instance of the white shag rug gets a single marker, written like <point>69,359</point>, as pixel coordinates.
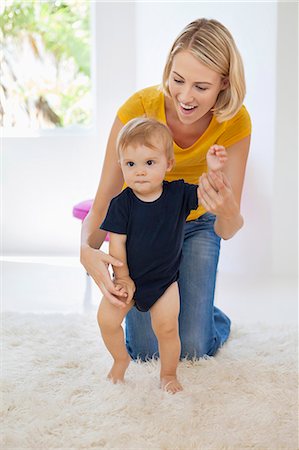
<point>56,396</point>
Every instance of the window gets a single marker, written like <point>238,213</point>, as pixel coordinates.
<point>45,80</point>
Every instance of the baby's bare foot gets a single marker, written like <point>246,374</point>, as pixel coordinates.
<point>118,370</point>
<point>171,384</point>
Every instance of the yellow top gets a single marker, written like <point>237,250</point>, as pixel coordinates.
<point>190,162</point>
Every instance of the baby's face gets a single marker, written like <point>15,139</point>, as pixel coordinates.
<point>144,168</point>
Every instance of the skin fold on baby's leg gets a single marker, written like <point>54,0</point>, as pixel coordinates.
<point>164,316</point>
<point>110,319</point>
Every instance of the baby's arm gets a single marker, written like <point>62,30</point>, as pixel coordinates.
<point>123,281</point>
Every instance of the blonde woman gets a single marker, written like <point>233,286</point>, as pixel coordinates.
<point>201,102</point>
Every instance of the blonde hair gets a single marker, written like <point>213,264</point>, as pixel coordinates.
<point>142,130</point>
<point>213,45</point>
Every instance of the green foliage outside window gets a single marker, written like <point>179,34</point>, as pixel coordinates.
<point>45,63</point>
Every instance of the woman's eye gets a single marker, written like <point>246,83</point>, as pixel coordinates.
<point>177,81</point>
<point>200,88</point>
<point>150,162</point>
<point>130,164</point>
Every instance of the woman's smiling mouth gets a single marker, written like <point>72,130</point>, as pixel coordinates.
<point>186,109</point>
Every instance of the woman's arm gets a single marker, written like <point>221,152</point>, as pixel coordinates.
<point>224,199</point>
<point>95,261</point>
<point>110,185</point>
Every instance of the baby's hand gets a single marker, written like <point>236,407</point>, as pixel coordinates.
<point>126,288</point>
<point>216,157</point>
<point>122,290</point>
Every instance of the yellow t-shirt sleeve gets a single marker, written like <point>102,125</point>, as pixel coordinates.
<point>237,128</point>
<point>133,107</point>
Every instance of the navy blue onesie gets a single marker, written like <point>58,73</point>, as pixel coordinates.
<point>155,234</point>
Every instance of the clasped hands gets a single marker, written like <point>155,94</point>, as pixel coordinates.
<point>214,189</point>
<point>125,288</point>
<point>119,291</point>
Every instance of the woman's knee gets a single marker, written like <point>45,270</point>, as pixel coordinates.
<point>197,349</point>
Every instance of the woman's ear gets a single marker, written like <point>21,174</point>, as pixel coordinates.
<point>224,83</point>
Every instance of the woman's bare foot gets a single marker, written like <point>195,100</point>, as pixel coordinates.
<point>118,370</point>
<point>171,384</point>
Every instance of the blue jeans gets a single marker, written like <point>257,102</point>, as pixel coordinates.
<point>203,328</point>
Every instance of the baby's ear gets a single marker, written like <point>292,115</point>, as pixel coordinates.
<point>170,164</point>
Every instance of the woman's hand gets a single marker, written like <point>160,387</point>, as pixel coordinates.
<point>216,195</point>
<point>96,264</point>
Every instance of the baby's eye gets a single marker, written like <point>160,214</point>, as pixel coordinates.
<point>150,162</point>
<point>130,163</point>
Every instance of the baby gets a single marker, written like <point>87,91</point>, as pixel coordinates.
<point>146,225</point>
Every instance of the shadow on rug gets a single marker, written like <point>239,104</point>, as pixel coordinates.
<point>56,396</point>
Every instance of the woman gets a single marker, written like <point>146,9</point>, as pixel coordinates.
<point>201,102</point>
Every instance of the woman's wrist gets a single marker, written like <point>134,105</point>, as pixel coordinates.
<point>94,241</point>
<point>227,226</point>
<point>84,248</point>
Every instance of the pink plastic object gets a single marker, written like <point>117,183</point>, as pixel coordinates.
<point>81,210</point>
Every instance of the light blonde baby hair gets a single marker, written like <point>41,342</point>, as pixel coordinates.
<point>213,45</point>
<point>144,130</point>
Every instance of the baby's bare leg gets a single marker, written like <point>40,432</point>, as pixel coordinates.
<point>109,319</point>
<point>164,315</point>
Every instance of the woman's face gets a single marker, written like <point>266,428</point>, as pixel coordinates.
<point>194,87</point>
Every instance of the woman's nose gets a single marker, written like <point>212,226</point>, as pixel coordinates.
<point>186,95</point>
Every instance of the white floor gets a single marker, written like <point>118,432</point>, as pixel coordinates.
<point>45,285</point>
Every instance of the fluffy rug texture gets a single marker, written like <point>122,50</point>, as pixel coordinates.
<point>56,396</point>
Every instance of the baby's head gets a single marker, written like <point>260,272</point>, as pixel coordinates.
<point>145,153</point>
<point>143,131</point>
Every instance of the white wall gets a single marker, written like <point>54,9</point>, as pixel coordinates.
<point>44,177</point>
<point>285,180</point>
